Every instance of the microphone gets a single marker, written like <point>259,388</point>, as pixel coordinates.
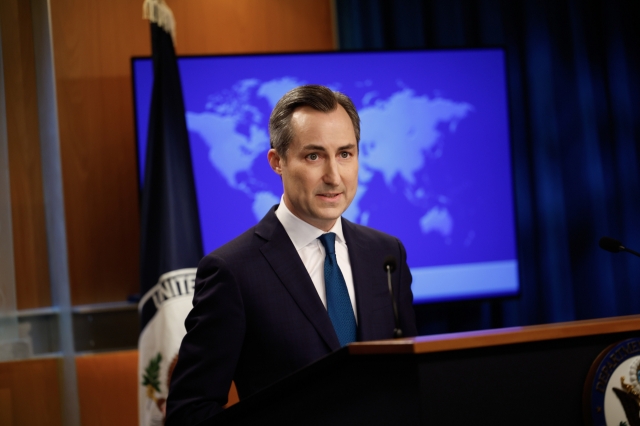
<point>390,265</point>
<point>614,246</point>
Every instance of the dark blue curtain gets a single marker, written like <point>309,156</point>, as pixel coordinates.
<point>574,81</point>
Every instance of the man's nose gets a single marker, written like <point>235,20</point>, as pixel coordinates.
<point>331,173</point>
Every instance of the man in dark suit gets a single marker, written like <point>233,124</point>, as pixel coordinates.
<point>300,284</point>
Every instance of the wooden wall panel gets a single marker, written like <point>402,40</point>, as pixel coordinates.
<point>108,388</point>
<point>93,43</point>
<point>6,411</point>
<point>27,205</point>
<point>111,380</point>
<point>248,26</point>
<point>31,390</point>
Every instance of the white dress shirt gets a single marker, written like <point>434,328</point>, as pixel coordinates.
<point>305,239</point>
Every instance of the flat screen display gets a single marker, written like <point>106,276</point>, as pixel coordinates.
<point>435,161</point>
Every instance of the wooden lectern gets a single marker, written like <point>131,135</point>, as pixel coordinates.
<point>513,376</point>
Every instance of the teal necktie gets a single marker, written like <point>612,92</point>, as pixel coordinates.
<point>338,301</point>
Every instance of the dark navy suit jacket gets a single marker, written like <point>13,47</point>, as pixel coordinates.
<point>257,316</point>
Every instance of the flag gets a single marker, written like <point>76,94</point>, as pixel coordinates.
<point>171,244</point>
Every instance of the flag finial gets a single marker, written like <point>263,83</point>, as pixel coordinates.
<point>159,13</point>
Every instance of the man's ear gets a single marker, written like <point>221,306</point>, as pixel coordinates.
<point>275,161</point>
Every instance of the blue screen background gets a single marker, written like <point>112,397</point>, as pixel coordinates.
<point>435,162</point>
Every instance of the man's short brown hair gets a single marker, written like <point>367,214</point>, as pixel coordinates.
<point>320,98</point>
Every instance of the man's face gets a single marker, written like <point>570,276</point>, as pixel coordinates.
<point>320,171</point>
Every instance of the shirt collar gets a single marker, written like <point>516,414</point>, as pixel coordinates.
<point>300,232</point>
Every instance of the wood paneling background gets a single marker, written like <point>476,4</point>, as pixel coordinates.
<point>27,205</point>
<point>30,393</point>
<point>250,26</point>
<point>108,388</point>
<point>93,43</point>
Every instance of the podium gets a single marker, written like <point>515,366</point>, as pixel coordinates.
<point>514,376</point>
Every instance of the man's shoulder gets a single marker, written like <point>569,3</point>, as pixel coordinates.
<point>239,243</point>
<point>366,231</point>
<point>364,235</point>
<point>250,240</point>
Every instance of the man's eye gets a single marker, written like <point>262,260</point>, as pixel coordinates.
<point>312,157</point>
<point>345,154</point>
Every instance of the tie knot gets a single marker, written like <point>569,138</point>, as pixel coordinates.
<point>328,240</point>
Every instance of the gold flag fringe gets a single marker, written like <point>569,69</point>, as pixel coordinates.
<point>159,13</point>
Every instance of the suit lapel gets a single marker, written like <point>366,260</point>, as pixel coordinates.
<point>279,251</point>
<point>363,277</point>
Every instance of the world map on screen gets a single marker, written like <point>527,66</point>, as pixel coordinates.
<point>434,159</point>
<point>394,145</point>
